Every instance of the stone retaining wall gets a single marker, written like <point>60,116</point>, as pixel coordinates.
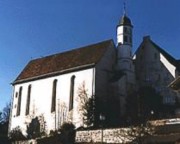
<point>25,142</point>
<point>106,135</point>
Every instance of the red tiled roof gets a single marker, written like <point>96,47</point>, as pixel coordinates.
<point>88,55</point>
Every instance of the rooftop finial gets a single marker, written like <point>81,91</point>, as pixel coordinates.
<point>124,7</point>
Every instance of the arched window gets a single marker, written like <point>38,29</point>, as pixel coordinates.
<point>19,102</point>
<point>71,97</point>
<point>28,100</point>
<point>53,103</point>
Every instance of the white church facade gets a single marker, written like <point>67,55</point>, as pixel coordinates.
<point>49,86</point>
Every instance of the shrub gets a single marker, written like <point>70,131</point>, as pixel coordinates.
<point>33,129</point>
<point>36,128</point>
<point>53,133</point>
<point>16,134</point>
<point>67,133</point>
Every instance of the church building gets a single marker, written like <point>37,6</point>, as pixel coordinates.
<point>49,86</point>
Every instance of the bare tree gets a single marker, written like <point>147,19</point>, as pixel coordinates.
<point>4,115</point>
<point>4,120</point>
<point>6,112</point>
<point>85,106</point>
<point>1,118</point>
<point>62,113</point>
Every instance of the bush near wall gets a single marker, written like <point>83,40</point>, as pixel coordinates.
<point>66,135</point>
<point>49,140</point>
<point>56,139</point>
<point>91,143</point>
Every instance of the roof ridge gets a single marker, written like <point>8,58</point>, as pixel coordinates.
<point>74,49</point>
<point>61,62</point>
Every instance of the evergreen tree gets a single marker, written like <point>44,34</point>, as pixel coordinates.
<point>89,113</point>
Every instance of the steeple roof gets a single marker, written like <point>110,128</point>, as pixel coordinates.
<point>125,21</point>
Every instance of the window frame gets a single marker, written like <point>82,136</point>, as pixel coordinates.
<point>54,93</point>
<point>71,95</point>
<point>28,100</point>
<point>18,112</point>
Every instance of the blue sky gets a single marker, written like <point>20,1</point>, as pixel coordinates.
<point>34,28</point>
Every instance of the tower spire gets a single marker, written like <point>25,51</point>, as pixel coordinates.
<point>124,7</point>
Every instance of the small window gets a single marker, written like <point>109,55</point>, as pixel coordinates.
<point>125,39</point>
<point>53,103</point>
<point>28,100</point>
<point>19,102</point>
<point>125,29</point>
<point>169,100</point>
<point>71,97</point>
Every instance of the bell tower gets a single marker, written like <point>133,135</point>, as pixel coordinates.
<point>125,66</point>
<point>124,31</point>
<point>124,47</point>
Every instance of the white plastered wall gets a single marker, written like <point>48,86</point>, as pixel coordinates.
<point>41,98</point>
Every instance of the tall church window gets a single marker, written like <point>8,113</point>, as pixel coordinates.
<point>19,102</point>
<point>53,103</point>
<point>71,92</point>
<point>16,95</point>
<point>28,100</point>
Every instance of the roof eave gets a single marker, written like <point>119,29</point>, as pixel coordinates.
<point>124,25</point>
<point>55,73</point>
<point>175,85</point>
